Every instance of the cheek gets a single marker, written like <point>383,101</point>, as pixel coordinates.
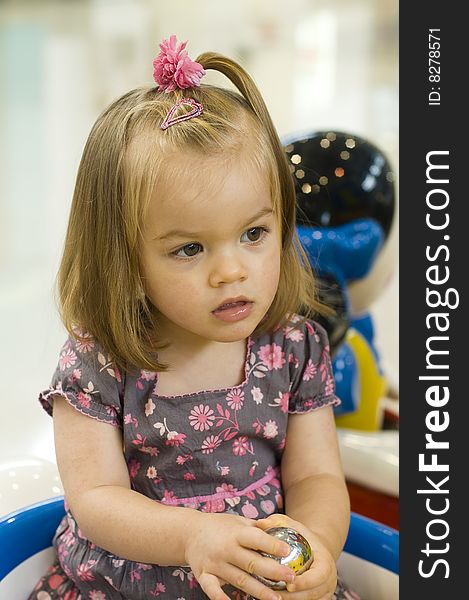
<point>270,268</point>
<point>169,292</point>
<point>275,274</point>
<point>160,284</point>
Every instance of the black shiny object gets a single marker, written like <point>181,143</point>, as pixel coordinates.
<point>340,177</point>
<point>331,294</point>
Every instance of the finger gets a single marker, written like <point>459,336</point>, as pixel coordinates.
<point>255,563</point>
<point>324,590</point>
<point>255,539</point>
<point>307,595</point>
<point>277,520</point>
<point>211,586</point>
<point>245,582</point>
<point>320,573</point>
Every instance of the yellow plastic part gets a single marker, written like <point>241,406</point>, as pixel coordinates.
<point>372,385</point>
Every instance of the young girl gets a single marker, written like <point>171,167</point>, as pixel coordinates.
<point>210,399</point>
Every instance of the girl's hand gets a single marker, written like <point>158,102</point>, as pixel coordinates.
<point>222,548</point>
<point>320,580</point>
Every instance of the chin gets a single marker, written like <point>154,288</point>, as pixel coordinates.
<point>232,336</point>
<point>234,332</point>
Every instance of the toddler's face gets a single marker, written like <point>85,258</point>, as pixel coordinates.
<point>211,251</point>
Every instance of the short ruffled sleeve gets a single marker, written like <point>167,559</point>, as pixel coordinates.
<point>312,379</point>
<point>88,380</point>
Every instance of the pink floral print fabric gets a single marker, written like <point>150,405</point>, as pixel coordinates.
<point>214,451</point>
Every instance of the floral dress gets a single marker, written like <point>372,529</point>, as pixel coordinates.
<point>214,451</point>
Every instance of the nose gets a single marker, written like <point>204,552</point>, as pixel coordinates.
<point>227,268</point>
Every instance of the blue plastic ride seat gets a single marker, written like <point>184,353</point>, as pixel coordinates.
<point>30,530</point>
<point>27,531</point>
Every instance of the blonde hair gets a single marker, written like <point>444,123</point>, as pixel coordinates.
<point>99,282</point>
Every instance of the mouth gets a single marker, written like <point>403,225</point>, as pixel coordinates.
<point>233,309</point>
<point>230,302</point>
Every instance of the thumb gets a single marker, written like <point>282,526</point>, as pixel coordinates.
<point>276,520</point>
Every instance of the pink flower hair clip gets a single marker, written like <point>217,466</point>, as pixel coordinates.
<point>173,68</point>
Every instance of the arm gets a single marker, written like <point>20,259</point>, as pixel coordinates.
<point>97,487</point>
<point>313,479</point>
<point>218,547</point>
<point>316,499</point>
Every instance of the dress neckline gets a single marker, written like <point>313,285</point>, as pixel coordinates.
<point>249,344</point>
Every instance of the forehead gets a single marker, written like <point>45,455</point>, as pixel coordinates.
<point>207,189</point>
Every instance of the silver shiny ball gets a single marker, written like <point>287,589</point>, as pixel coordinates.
<point>299,559</point>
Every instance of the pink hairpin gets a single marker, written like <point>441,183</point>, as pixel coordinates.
<point>197,110</point>
<point>173,68</point>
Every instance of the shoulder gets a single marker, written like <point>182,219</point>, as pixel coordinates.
<point>83,351</point>
<point>297,355</point>
<point>291,348</point>
<point>87,377</point>
<point>297,334</point>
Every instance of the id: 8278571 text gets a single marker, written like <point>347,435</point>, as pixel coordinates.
<point>434,75</point>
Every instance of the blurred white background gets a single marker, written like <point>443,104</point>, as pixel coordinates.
<point>320,64</point>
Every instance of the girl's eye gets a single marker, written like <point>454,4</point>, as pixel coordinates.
<point>188,250</point>
<point>253,235</point>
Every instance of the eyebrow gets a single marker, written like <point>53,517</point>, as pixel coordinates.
<point>194,234</point>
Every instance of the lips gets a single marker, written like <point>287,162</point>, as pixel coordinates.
<point>232,302</point>
<point>233,309</point>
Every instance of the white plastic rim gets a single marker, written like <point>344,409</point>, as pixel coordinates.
<point>25,480</point>
<point>371,459</point>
